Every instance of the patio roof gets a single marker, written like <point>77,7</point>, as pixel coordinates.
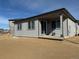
<point>48,15</point>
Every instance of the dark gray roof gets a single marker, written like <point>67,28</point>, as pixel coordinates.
<point>58,10</point>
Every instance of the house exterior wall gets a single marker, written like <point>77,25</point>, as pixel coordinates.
<point>25,31</point>
<point>57,32</point>
<point>77,28</point>
<point>71,27</point>
<point>11,25</point>
<point>65,25</point>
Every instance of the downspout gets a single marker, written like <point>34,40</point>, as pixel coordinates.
<point>14,30</point>
<point>38,28</point>
<point>9,28</point>
<point>76,29</point>
<point>46,26</point>
<point>62,29</point>
<point>67,28</point>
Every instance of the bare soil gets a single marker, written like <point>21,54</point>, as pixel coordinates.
<point>34,48</point>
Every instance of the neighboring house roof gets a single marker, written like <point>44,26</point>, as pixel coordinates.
<point>60,11</point>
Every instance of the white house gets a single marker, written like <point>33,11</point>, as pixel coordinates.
<point>57,24</point>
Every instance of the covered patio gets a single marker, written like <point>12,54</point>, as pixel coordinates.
<point>52,25</point>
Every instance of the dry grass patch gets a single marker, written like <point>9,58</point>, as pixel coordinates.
<point>5,36</point>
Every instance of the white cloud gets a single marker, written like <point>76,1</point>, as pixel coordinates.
<point>3,20</point>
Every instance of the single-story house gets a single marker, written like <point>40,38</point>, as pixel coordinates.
<point>57,24</point>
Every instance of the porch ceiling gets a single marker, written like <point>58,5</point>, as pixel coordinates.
<point>52,16</point>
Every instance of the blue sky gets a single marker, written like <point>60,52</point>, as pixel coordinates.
<point>10,9</point>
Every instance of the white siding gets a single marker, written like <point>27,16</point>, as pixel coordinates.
<point>65,27</point>
<point>71,30</point>
<point>71,27</point>
<point>57,32</point>
<point>11,25</point>
<point>25,31</point>
<point>77,28</point>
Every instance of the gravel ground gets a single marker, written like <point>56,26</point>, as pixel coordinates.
<point>33,48</point>
<point>74,39</point>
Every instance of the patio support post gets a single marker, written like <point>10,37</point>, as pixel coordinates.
<point>76,29</point>
<point>61,24</point>
<point>46,26</point>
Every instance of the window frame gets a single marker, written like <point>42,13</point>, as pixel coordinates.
<point>19,26</point>
<point>58,24</point>
<point>31,25</point>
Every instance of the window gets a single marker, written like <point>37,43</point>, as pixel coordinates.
<point>55,24</point>
<point>31,25</point>
<point>19,26</point>
<point>43,27</point>
<point>58,24</point>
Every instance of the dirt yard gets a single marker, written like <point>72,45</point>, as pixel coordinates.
<point>33,48</point>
